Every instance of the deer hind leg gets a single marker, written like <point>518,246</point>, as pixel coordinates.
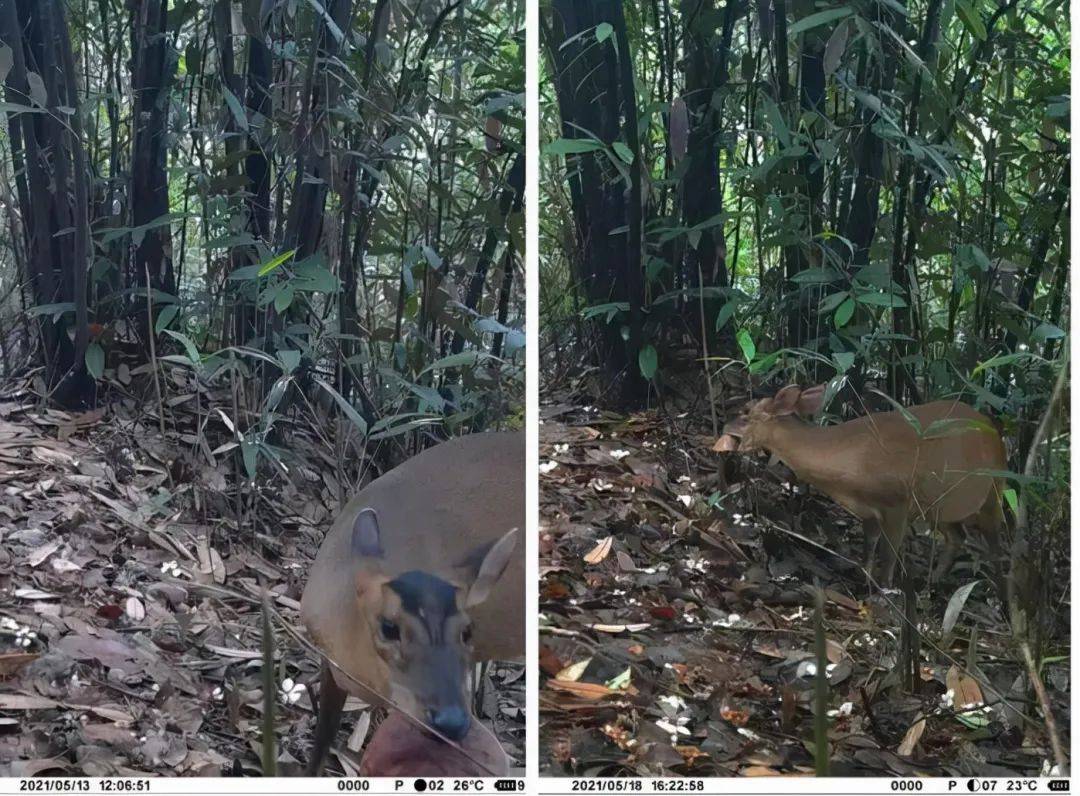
<point>894,526</point>
<point>990,520</point>
<point>954,536</point>
<point>331,702</point>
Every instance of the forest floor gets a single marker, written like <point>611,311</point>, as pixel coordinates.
<point>677,623</point>
<point>130,631</point>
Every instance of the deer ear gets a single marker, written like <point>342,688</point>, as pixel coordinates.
<point>484,565</point>
<point>785,401</point>
<point>366,539</point>
<point>811,400</point>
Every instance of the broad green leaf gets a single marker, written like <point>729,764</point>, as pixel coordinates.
<point>290,359</point>
<point>725,314</point>
<point>623,151</point>
<point>971,19</point>
<point>165,317</point>
<point>746,344</point>
<point>820,18</point>
<point>844,313</point>
<point>604,31</point>
<point>647,361</point>
<point>95,360</point>
<point>573,146</point>
<point>193,354</point>
<point>350,412</point>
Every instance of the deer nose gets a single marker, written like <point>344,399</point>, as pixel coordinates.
<point>451,722</point>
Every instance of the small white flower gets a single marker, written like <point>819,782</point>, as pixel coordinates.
<point>683,479</point>
<point>562,447</point>
<point>686,500</point>
<point>547,467</point>
<point>217,694</point>
<point>619,455</point>
<point>601,486</point>
<point>7,623</point>
<point>676,703</point>
<point>947,699</point>
<point>291,692</point>
<point>171,568</point>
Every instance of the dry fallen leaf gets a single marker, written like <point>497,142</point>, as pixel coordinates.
<point>591,691</point>
<point>966,691</point>
<point>574,671</point>
<point>600,552</point>
<point>726,444</point>
<point>911,738</point>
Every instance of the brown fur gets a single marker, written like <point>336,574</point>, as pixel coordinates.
<point>882,470</point>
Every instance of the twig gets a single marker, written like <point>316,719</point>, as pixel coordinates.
<point>1048,714</point>
<point>153,351</point>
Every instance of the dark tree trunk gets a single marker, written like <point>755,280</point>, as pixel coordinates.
<point>151,78</point>
<point>590,97</point>
<point>706,73</point>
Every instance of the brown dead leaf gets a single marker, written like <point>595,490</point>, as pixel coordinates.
<point>12,662</point>
<point>911,738</point>
<point>600,552</point>
<point>726,444</point>
<point>574,671</point>
<point>591,691</point>
<point>966,691</point>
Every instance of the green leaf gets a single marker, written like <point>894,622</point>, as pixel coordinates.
<point>623,151</point>
<point>290,359</point>
<point>346,407</point>
<point>165,317</point>
<point>194,357</point>
<point>647,361</point>
<point>95,360</point>
<point>284,298</point>
<point>832,301</point>
<point>844,313</point>
<point>55,310</point>
<point>572,146</point>
<point>236,108</point>
<point>746,344</point>
<point>725,313</point>
<point>1011,499</point>
<point>881,299</point>
<point>270,265</point>
<point>971,19</point>
<point>844,360</point>
<point>604,31</point>
<point>776,119</point>
<point>820,18</point>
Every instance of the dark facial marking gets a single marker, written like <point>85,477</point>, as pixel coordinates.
<point>427,597</point>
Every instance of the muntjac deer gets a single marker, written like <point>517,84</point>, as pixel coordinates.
<point>417,578</point>
<point>886,471</point>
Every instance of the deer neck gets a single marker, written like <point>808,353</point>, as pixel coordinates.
<point>802,447</point>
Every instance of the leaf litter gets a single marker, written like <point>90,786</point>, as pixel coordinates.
<point>130,641</point>
<point>692,570</point>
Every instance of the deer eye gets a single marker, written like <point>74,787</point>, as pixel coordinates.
<point>389,630</point>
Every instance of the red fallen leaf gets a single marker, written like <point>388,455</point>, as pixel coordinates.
<point>734,716</point>
<point>662,612</point>
<point>681,670</point>
<point>690,753</point>
<point>111,611</point>
<point>554,590</point>
<point>550,662</point>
